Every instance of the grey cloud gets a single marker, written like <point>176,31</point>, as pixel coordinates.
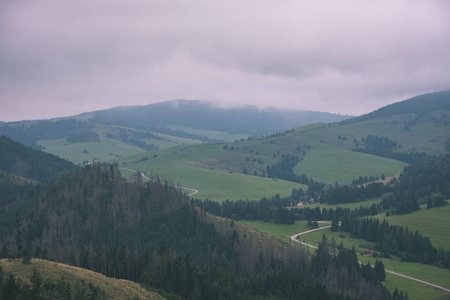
<point>67,57</point>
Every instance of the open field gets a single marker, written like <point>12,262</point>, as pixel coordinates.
<point>347,205</point>
<point>433,223</point>
<point>114,288</point>
<point>184,166</point>
<point>327,164</point>
<point>216,170</point>
<point>427,273</point>
<point>106,149</point>
<point>427,135</point>
<point>220,186</point>
<point>416,290</point>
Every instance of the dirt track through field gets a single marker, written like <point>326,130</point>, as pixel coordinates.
<point>295,239</point>
<point>194,191</point>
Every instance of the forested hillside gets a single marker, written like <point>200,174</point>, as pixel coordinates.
<point>70,129</point>
<point>29,163</point>
<point>150,233</point>
<point>420,104</point>
<point>204,115</point>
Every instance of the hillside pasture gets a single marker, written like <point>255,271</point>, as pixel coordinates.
<point>177,165</point>
<point>329,165</point>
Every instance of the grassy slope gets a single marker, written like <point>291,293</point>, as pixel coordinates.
<point>215,171</point>
<point>427,136</point>
<point>327,164</point>
<point>190,168</point>
<point>106,149</point>
<point>347,205</point>
<point>115,288</point>
<point>415,290</point>
<point>214,168</point>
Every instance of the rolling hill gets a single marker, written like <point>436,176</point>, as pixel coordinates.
<point>118,132</point>
<point>63,281</point>
<point>329,153</point>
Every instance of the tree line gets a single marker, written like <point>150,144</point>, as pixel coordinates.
<point>396,240</point>
<point>74,131</point>
<point>384,147</point>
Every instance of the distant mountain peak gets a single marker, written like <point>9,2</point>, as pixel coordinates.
<point>419,104</point>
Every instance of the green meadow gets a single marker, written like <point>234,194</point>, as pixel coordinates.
<point>424,136</point>
<point>216,169</point>
<point>106,149</point>
<point>184,166</point>
<point>327,164</point>
<point>351,205</point>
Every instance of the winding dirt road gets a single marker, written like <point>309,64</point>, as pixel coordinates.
<point>295,239</point>
<point>194,191</point>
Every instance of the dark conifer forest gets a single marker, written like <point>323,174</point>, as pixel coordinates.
<point>29,163</point>
<point>150,233</point>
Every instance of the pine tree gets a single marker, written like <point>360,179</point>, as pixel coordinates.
<point>335,223</point>
<point>36,284</point>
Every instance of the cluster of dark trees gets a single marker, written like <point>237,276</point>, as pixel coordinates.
<point>72,130</point>
<point>326,256</point>
<point>384,147</point>
<point>40,288</point>
<point>396,240</point>
<point>27,162</point>
<point>364,179</point>
<point>151,233</point>
<point>82,135</point>
<point>331,259</point>
<point>133,137</point>
<point>418,183</point>
<point>426,182</point>
<point>184,134</point>
<point>274,210</point>
<point>346,194</point>
<point>283,170</point>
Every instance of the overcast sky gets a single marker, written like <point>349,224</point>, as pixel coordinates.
<point>60,58</point>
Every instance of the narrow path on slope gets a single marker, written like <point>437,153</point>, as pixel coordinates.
<point>295,239</point>
<point>194,191</point>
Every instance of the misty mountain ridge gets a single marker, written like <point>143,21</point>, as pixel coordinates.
<point>437,101</point>
<point>211,116</point>
<point>118,132</point>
